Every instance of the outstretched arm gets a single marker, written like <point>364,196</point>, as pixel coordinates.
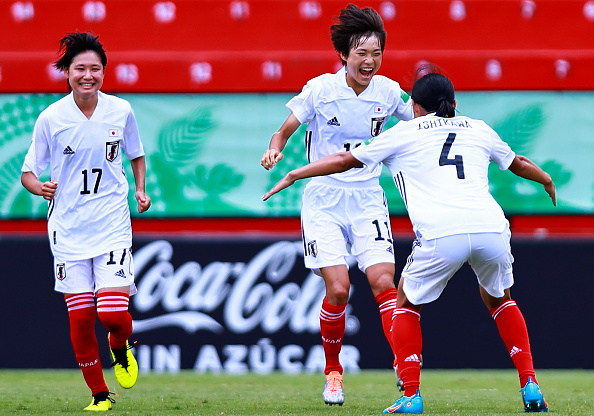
<point>524,167</point>
<point>279,141</point>
<point>338,162</point>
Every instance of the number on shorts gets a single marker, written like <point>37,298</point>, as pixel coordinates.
<point>111,261</point>
<point>379,231</point>
<point>457,160</point>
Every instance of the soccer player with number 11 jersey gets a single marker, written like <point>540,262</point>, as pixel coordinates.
<point>346,213</point>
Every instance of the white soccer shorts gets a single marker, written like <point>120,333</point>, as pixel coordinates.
<point>335,219</point>
<point>112,269</point>
<point>432,264</point>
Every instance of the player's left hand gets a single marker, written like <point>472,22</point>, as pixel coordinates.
<point>143,200</point>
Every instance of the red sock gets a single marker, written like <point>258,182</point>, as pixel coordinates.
<point>386,301</point>
<point>513,331</point>
<point>81,313</point>
<point>112,309</point>
<point>332,323</point>
<point>408,341</point>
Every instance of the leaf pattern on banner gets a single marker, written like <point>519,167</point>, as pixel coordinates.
<point>220,179</point>
<point>180,140</point>
<point>521,131</point>
<point>216,181</point>
<point>17,119</point>
<point>176,191</point>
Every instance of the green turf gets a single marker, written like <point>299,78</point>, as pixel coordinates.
<point>451,392</point>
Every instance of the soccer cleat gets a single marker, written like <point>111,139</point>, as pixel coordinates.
<point>405,404</point>
<point>533,399</point>
<point>101,402</point>
<point>399,382</point>
<point>333,393</point>
<point>125,365</point>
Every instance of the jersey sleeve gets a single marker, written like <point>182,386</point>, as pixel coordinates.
<point>38,157</point>
<point>376,149</point>
<point>302,105</point>
<point>404,110</point>
<point>132,145</point>
<point>501,152</point>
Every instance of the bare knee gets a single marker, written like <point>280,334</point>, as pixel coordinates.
<point>492,301</point>
<point>381,277</point>
<point>337,293</point>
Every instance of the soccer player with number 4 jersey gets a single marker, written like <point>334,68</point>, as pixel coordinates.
<point>346,211</point>
<point>82,138</point>
<point>439,162</point>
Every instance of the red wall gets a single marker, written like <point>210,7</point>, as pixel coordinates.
<point>276,46</point>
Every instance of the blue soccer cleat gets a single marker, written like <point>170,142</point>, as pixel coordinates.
<point>533,399</point>
<point>405,404</point>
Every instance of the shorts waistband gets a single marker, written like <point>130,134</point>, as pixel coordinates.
<point>335,183</point>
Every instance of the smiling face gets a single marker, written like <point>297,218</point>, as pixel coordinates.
<point>363,62</point>
<point>85,75</point>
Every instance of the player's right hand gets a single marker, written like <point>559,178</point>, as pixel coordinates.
<point>48,189</point>
<point>550,188</point>
<point>271,158</point>
<point>280,185</point>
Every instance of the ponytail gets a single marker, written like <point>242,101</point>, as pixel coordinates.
<point>435,93</point>
<point>445,109</point>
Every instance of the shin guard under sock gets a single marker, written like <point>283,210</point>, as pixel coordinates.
<point>512,328</point>
<point>408,341</point>
<point>386,301</point>
<point>81,314</point>
<point>332,324</point>
<point>112,309</point>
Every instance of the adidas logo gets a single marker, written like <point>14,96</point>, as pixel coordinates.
<point>413,358</point>
<point>333,122</point>
<point>389,250</point>
<point>120,273</point>
<point>514,351</point>
<point>68,151</point>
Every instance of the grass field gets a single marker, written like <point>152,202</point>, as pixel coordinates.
<point>445,392</point>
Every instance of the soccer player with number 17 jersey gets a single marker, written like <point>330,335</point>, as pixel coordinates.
<point>82,138</point>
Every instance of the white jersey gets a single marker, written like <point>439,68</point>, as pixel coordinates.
<point>440,166</point>
<point>339,120</point>
<point>89,214</point>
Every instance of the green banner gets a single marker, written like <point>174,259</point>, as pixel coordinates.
<point>203,152</point>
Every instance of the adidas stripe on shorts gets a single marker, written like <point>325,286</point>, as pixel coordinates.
<point>112,269</point>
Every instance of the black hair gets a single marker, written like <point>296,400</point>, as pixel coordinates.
<point>355,25</point>
<point>435,93</point>
<point>76,42</point>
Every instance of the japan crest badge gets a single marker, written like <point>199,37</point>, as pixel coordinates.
<point>112,150</point>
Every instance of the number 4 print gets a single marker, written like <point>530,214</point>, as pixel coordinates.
<point>457,160</point>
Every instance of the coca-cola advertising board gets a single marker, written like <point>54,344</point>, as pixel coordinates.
<point>247,304</point>
<point>236,307</point>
